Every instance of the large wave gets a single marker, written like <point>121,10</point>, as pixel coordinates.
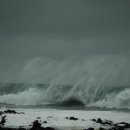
<point>101,81</point>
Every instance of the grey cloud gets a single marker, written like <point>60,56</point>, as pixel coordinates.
<point>62,28</point>
<point>66,17</point>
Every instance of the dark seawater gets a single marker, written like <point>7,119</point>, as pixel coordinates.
<point>62,107</point>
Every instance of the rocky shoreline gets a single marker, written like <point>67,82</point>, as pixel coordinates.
<point>37,125</point>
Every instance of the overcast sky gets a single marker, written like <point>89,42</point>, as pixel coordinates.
<point>62,28</point>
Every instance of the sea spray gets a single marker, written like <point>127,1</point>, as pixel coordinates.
<point>101,80</point>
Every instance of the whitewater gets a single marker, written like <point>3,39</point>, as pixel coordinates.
<point>96,81</point>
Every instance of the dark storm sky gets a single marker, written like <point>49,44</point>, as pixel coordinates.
<point>62,28</point>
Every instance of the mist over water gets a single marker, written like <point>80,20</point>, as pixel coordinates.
<point>65,52</point>
<point>100,80</point>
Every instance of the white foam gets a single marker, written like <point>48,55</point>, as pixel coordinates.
<point>28,97</point>
<point>58,119</point>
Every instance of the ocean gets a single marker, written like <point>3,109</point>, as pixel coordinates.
<point>64,96</point>
<point>97,87</point>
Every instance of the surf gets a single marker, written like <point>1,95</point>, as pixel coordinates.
<point>95,81</point>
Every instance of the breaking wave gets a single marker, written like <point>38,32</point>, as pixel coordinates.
<point>105,96</point>
<point>98,81</point>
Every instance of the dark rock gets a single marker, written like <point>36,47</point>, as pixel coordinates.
<point>10,112</point>
<point>123,124</point>
<point>127,125</point>
<point>94,120</point>
<point>48,128</point>
<point>45,122</point>
<point>36,125</point>
<point>1,113</point>
<point>101,128</point>
<point>72,118</point>
<point>21,128</point>
<point>90,129</point>
<point>118,128</point>
<point>3,121</point>
<point>99,121</point>
<point>106,122</point>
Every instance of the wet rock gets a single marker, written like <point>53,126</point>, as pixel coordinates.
<point>48,128</point>
<point>72,118</point>
<point>37,126</point>
<point>1,113</point>
<point>112,126</point>
<point>21,128</point>
<point>106,122</point>
<point>127,125</point>
<point>3,121</point>
<point>45,122</point>
<point>121,126</point>
<point>101,128</point>
<point>90,129</point>
<point>10,112</point>
<point>99,121</point>
<point>94,120</point>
